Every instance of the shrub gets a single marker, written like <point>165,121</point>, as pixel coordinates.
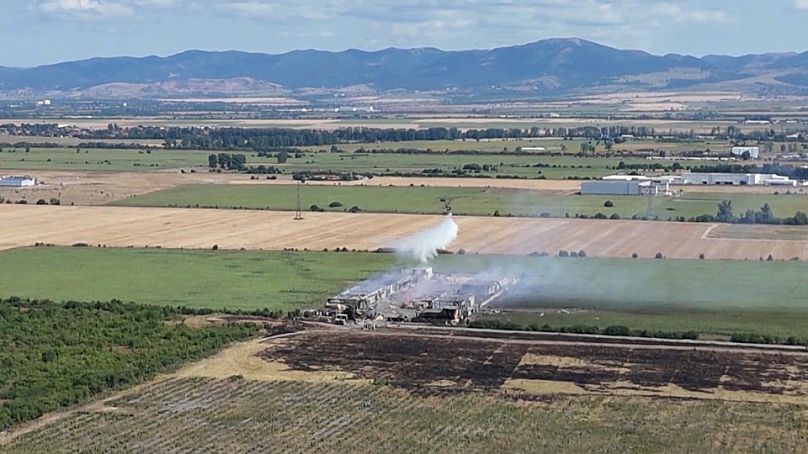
<point>659,255</point>
<point>355,209</point>
<point>617,330</point>
<point>563,254</point>
<point>335,204</point>
<point>41,202</point>
<point>215,247</point>
<point>608,204</point>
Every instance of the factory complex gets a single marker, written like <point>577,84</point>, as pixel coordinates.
<point>655,185</point>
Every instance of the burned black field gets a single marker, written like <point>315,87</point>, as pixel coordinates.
<point>443,363</point>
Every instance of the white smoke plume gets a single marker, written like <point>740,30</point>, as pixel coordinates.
<point>424,245</point>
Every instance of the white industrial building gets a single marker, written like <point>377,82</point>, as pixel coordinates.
<point>17,182</point>
<point>643,185</point>
<point>621,185</point>
<point>737,179</point>
<point>754,152</point>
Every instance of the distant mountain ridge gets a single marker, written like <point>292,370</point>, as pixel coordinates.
<point>551,66</point>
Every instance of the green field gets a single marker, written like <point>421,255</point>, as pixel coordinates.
<point>200,279</point>
<point>551,145</point>
<point>464,201</point>
<point>712,297</point>
<point>718,297</point>
<point>523,166</point>
<point>131,160</point>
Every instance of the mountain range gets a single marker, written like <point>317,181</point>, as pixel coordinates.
<point>548,67</point>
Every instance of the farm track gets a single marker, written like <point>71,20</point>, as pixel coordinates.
<point>24,225</point>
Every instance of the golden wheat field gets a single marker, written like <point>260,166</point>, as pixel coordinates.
<point>24,225</point>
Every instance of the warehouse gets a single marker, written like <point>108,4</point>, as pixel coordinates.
<point>17,182</point>
<point>620,185</point>
<point>736,179</point>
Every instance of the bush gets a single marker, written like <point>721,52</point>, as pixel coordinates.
<point>41,202</point>
<point>563,254</point>
<point>55,201</point>
<point>659,256</point>
<point>635,256</point>
<point>335,204</point>
<point>316,208</point>
<point>355,209</point>
<point>617,330</point>
<point>215,247</point>
<point>701,256</point>
<point>608,204</point>
<point>581,253</point>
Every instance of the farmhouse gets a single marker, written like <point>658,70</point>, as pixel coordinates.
<point>17,182</point>
<point>749,152</point>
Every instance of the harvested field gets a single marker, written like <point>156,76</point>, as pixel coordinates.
<point>746,232</point>
<point>388,391</point>
<point>229,229</point>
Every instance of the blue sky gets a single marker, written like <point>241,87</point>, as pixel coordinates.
<point>48,31</point>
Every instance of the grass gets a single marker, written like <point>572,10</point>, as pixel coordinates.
<point>523,166</point>
<point>716,297</point>
<point>464,201</point>
<point>200,279</point>
<point>131,160</point>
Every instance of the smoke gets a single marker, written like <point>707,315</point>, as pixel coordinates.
<point>424,245</point>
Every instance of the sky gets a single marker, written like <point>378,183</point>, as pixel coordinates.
<point>36,32</point>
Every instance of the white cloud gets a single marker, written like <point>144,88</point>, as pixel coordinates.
<point>86,9</point>
<point>677,13</point>
<point>801,4</point>
<point>100,9</point>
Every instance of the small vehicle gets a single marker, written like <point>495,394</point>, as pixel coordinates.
<point>341,319</point>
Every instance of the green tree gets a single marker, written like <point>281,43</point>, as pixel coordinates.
<point>224,160</point>
<point>725,212</point>
<point>212,161</point>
